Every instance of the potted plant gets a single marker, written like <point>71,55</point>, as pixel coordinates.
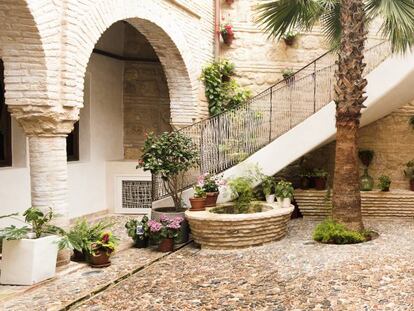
<point>198,201</point>
<point>227,34</point>
<point>289,37</point>
<point>81,235</point>
<point>170,156</point>
<point>409,173</point>
<point>242,190</point>
<point>166,230</point>
<point>211,185</point>
<point>366,181</point>
<point>229,2</point>
<point>284,193</point>
<point>288,75</point>
<point>30,252</point>
<point>320,176</point>
<point>384,183</point>
<point>138,230</point>
<point>268,185</point>
<point>305,179</point>
<point>102,249</point>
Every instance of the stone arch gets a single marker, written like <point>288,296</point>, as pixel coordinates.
<point>165,37</point>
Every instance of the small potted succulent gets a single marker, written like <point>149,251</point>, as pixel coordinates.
<point>288,75</point>
<point>384,183</point>
<point>165,231</point>
<point>138,230</point>
<point>366,181</point>
<point>211,186</point>
<point>289,37</point>
<point>227,34</point>
<point>198,201</point>
<point>29,253</point>
<point>268,185</point>
<point>102,249</point>
<point>320,176</point>
<point>409,173</point>
<point>284,193</point>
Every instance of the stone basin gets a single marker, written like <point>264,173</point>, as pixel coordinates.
<point>232,231</point>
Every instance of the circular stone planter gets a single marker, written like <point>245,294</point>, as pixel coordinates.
<point>232,231</point>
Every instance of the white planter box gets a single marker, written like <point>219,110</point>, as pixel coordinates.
<point>28,261</point>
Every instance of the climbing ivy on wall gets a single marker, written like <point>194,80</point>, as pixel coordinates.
<point>221,90</point>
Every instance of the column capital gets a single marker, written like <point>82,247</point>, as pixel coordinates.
<point>45,121</point>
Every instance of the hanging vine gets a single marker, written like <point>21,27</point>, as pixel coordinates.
<point>221,90</point>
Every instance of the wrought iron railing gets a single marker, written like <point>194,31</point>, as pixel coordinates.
<point>230,137</point>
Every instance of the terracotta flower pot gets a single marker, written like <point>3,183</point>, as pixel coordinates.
<point>100,260</point>
<point>227,38</point>
<point>166,245</point>
<point>211,199</point>
<point>289,41</point>
<point>229,2</point>
<point>320,183</point>
<point>412,184</point>
<point>197,204</point>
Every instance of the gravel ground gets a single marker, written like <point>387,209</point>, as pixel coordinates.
<point>292,274</point>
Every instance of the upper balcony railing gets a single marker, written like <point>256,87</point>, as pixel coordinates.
<point>231,136</point>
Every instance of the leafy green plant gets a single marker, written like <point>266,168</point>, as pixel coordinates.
<point>331,232</point>
<point>384,182</point>
<point>138,229</point>
<point>320,173</point>
<point>38,221</point>
<point>242,188</point>
<point>268,184</point>
<point>81,236</point>
<point>288,73</point>
<point>169,155</point>
<point>199,192</point>
<point>221,91</point>
<point>106,242</point>
<point>409,171</point>
<point>284,189</point>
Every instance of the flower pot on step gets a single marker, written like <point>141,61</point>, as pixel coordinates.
<point>141,243</point>
<point>29,261</point>
<point>197,204</point>
<point>211,199</point>
<point>166,245</point>
<point>100,259</point>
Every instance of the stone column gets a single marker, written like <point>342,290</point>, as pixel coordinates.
<point>48,179</point>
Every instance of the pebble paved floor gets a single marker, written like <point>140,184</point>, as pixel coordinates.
<point>292,274</point>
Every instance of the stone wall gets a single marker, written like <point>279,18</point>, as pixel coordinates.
<point>146,99</point>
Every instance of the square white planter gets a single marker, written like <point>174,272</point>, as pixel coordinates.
<point>28,261</point>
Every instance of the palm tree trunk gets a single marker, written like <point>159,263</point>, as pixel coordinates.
<point>349,89</point>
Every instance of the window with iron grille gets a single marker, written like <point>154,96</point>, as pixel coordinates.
<point>136,194</point>
<point>5,125</point>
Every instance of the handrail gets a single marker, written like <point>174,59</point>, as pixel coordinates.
<point>229,137</point>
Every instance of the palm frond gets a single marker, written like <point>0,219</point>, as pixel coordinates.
<point>280,16</point>
<point>331,24</point>
<point>397,18</point>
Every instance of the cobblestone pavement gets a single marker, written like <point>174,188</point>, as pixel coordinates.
<point>292,274</point>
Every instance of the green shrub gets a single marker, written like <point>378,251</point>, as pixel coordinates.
<point>331,232</point>
<point>384,182</point>
<point>242,187</point>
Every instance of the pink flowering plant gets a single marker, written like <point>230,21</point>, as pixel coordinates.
<point>210,183</point>
<point>165,228</point>
<point>227,29</point>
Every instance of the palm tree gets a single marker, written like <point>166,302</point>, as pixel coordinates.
<point>344,24</point>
